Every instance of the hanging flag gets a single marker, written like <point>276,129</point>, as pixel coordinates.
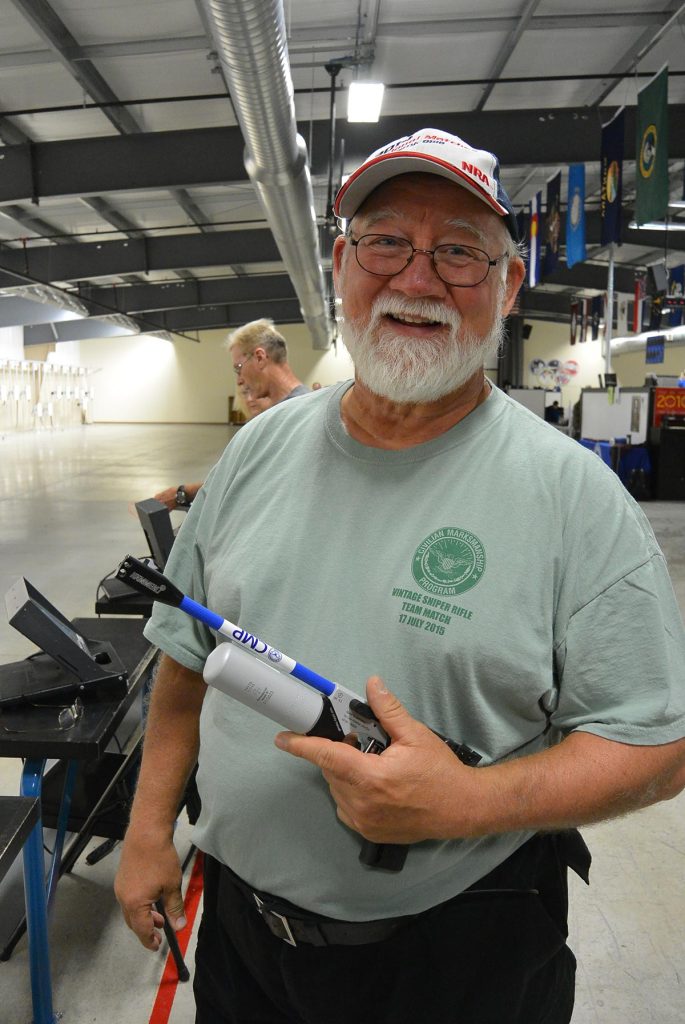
<point>575,215</point>
<point>584,319</point>
<point>574,321</point>
<point>596,313</point>
<point>651,150</point>
<point>534,248</point>
<point>654,349</point>
<point>552,225</point>
<point>639,298</point>
<point>611,195</point>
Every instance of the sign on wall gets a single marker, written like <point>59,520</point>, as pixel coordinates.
<point>668,402</point>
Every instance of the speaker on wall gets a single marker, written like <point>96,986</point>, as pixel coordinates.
<point>657,279</point>
<point>527,331</point>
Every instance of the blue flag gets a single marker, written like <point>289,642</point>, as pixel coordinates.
<point>552,225</point>
<point>611,196</point>
<point>534,247</point>
<point>575,215</point>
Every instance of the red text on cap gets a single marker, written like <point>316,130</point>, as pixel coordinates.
<point>476,172</point>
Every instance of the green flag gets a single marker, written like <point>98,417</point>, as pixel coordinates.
<point>651,150</point>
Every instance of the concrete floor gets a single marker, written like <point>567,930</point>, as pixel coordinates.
<point>64,524</point>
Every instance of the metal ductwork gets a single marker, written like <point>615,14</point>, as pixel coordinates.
<point>250,40</point>
<point>636,343</point>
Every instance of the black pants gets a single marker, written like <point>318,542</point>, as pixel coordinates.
<point>484,957</point>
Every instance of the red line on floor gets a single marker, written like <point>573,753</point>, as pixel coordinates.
<point>169,983</point>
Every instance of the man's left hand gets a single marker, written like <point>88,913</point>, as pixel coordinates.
<point>404,795</point>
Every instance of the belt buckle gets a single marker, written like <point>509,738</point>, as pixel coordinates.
<point>278,923</point>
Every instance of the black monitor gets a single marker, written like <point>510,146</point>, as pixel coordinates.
<point>74,663</point>
<point>155,520</point>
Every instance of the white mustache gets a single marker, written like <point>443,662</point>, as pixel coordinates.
<point>395,305</point>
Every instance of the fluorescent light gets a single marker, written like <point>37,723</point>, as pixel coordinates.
<point>677,204</point>
<point>658,225</point>
<point>120,321</point>
<point>49,296</point>
<point>364,101</point>
<point>163,335</point>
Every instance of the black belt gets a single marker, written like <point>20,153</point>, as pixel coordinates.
<point>295,925</point>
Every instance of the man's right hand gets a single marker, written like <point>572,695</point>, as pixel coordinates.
<point>149,871</point>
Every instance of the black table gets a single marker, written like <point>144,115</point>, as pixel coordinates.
<point>32,733</point>
<point>18,816</point>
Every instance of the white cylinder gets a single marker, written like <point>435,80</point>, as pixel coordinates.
<point>257,685</point>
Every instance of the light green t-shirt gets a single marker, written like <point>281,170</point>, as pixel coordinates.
<point>499,578</point>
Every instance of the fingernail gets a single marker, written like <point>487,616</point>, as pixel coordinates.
<point>180,923</point>
<point>281,742</point>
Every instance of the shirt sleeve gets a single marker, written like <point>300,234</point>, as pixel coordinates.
<point>621,665</point>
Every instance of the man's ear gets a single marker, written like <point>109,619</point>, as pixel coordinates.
<point>339,245</point>
<point>516,272</point>
<point>260,355</point>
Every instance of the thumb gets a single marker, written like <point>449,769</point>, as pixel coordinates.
<point>175,910</point>
<point>390,711</point>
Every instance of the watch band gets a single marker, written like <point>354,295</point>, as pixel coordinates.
<point>181,496</point>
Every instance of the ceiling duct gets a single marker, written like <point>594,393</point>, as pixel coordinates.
<point>250,39</point>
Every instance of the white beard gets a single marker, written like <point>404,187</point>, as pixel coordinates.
<point>422,369</point>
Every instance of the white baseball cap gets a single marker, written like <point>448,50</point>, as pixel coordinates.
<point>429,151</point>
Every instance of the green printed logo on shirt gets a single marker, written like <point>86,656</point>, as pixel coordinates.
<point>449,561</point>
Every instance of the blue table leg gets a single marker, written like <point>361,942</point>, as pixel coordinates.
<point>36,903</point>
<point>62,822</point>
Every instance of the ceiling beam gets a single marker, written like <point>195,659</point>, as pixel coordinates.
<point>155,160</point>
<point>52,29</point>
<point>201,318</point>
<point>177,321</point>
<point>198,292</point>
<point>632,57</point>
<point>511,42</point>
<point>213,156</point>
<point>302,38</point>
<point>80,262</point>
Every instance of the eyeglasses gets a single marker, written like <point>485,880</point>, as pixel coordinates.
<point>237,367</point>
<point>462,266</point>
<point>67,717</point>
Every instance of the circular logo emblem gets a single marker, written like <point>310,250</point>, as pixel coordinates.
<point>612,181</point>
<point>648,151</point>
<point>449,561</point>
<point>274,655</point>
<point>576,210</point>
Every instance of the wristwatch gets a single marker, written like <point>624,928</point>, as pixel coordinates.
<point>182,499</point>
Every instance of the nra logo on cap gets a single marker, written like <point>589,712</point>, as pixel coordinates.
<point>475,172</point>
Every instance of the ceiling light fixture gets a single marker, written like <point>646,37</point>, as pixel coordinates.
<point>364,100</point>
<point>70,307</point>
<point>658,225</point>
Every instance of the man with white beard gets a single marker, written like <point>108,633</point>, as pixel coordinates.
<point>416,530</point>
